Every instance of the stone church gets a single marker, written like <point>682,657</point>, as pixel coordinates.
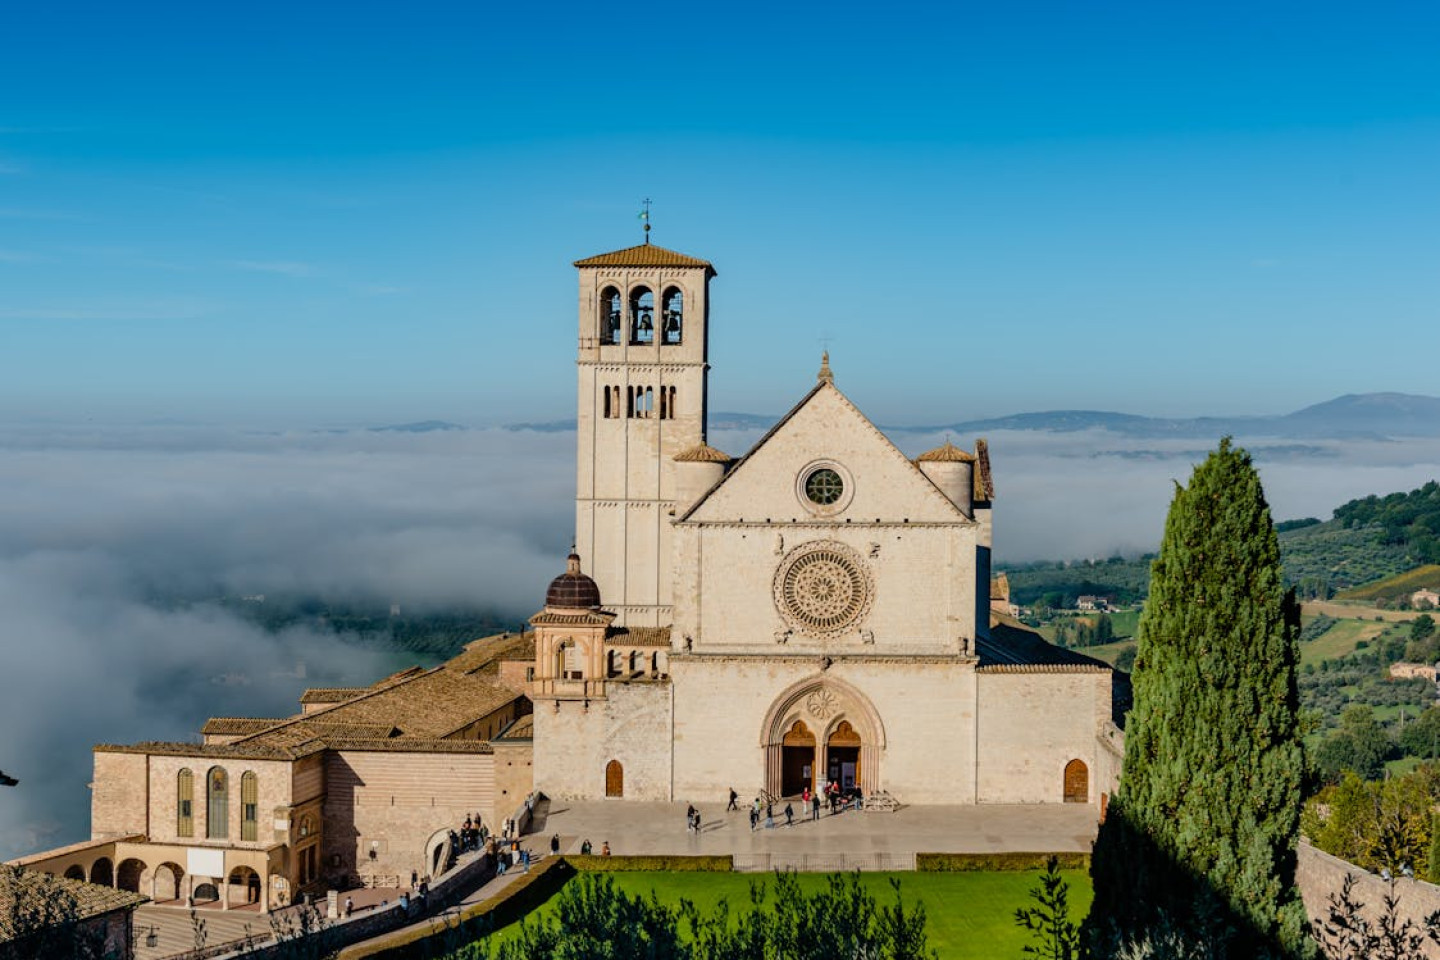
<point>819,609</point>
<point>815,610</point>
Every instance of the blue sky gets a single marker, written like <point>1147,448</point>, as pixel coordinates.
<point>355,213</point>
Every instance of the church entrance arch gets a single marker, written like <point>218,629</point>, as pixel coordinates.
<point>798,762</point>
<point>819,723</point>
<point>842,756</point>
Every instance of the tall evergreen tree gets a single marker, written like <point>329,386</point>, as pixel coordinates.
<point>1206,817</point>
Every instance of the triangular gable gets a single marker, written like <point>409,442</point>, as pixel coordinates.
<point>825,425</point>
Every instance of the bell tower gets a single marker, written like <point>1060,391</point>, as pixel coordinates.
<point>644,328</point>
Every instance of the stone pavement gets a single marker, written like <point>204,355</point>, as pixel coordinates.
<point>865,839</point>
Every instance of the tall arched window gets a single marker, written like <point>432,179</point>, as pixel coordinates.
<point>674,315</point>
<point>642,316</point>
<point>217,804</point>
<point>607,402</point>
<point>610,315</point>
<point>185,804</point>
<point>249,805</point>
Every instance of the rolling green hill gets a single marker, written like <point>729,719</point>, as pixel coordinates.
<point>1397,586</point>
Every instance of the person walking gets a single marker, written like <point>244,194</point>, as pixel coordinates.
<point>555,844</point>
<point>349,907</point>
<point>690,818</point>
<point>733,805</point>
<point>585,848</point>
<point>815,805</point>
<point>789,815</point>
<point>605,848</point>
<point>769,815</point>
<point>754,818</point>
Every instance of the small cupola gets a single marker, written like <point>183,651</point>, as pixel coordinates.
<point>953,471</point>
<point>572,590</point>
<point>697,469</point>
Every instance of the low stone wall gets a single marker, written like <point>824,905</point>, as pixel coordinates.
<point>1319,876</point>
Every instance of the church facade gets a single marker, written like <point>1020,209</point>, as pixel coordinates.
<point>816,610</point>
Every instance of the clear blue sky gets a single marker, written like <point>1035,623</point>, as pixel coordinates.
<point>365,212</point>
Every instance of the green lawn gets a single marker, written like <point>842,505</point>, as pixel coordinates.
<point>970,915</point>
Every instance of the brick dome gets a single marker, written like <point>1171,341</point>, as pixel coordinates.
<point>572,590</point>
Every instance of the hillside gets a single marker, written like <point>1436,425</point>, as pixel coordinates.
<point>1400,585</point>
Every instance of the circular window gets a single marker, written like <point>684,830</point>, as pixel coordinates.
<point>824,487</point>
<point>822,589</point>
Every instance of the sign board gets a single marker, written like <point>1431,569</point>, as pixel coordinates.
<point>202,862</point>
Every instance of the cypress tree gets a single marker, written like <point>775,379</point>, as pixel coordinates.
<point>1203,828</point>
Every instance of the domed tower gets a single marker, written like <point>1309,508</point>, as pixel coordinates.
<point>570,638</point>
<point>642,365</point>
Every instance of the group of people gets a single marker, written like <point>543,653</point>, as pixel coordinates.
<point>692,820</point>
<point>835,797</point>
<point>508,857</point>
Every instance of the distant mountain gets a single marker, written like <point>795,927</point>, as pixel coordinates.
<point>1375,415</point>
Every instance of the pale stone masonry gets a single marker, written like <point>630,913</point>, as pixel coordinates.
<point>819,610</point>
<point>825,602</point>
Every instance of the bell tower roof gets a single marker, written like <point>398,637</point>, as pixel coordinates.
<point>645,255</point>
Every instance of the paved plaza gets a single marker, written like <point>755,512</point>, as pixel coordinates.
<point>865,840</point>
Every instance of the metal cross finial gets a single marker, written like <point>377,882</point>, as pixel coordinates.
<point>645,217</point>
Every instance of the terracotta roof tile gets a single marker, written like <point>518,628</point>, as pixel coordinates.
<point>984,486</point>
<point>331,694</point>
<point>644,255</point>
<point>702,453</point>
<point>947,453</point>
<point>91,899</point>
<point>639,636</point>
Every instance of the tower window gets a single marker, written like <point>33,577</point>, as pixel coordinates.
<point>642,316</point>
<point>606,391</point>
<point>674,315</point>
<point>610,316</point>
<point>670,407</point>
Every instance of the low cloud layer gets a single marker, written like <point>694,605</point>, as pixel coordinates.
<point>101,533</point>
<point>103,530</point>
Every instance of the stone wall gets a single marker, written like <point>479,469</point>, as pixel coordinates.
<point>396,801</point>
<point>578,738</point>
<point>119,801</point>
<point>1319,876</point>
<point>920,714</point>
<point>1032,722</point>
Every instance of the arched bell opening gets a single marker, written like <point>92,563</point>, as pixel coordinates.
<point>672,316</point>
<point>610,314</point>
<point>642,317</point>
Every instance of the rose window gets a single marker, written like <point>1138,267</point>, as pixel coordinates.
<point>822,589</point>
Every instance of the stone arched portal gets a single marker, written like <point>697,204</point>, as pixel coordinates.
<point>829,723</point>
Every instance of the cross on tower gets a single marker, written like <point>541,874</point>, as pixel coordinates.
<point>645,217</point>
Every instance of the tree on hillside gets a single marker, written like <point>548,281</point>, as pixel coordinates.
<point>1207,811</point>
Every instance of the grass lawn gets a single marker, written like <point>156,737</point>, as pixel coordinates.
<point>970,916</point>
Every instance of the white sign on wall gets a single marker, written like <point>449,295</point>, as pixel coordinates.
<point>201,862</point>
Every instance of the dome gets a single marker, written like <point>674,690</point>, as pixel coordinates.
<point>573,590</point>
<point>949,453</point>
